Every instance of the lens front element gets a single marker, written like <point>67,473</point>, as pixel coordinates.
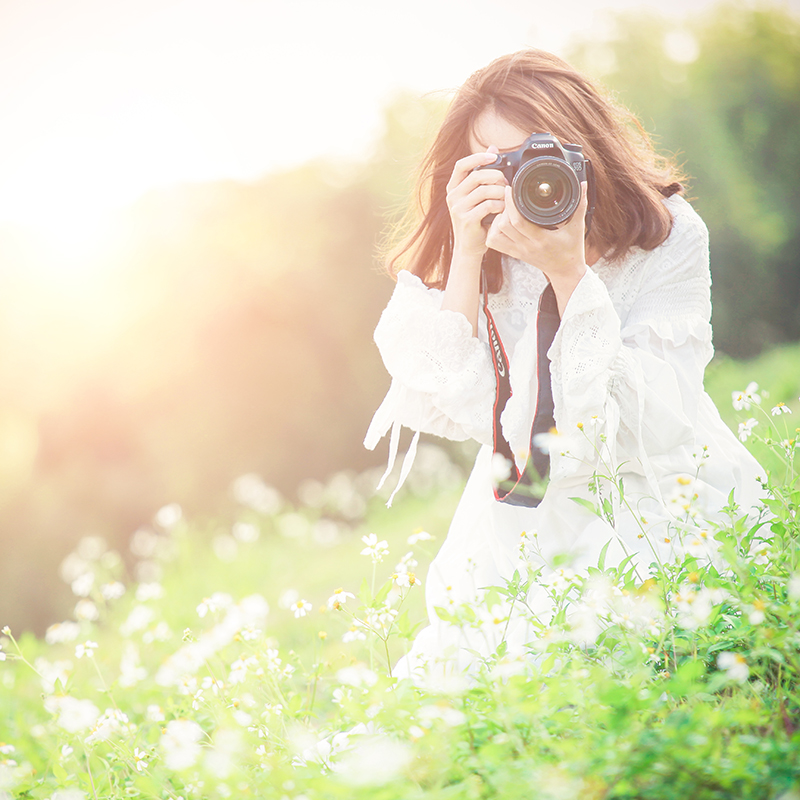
<point>546,190</point>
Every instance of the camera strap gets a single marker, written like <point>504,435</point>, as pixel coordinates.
<point>524,488</point>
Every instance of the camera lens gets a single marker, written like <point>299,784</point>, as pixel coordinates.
<point>546,191</point>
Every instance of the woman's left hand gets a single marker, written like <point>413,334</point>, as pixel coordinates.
<point>560,254</point>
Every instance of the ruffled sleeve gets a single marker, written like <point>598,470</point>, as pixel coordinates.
<point>630,393</point>
<point>442,376</point>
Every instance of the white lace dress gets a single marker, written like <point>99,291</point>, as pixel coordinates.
<point>626,369</point>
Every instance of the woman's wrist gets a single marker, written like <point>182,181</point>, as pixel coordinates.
<point>465,257</point>
<point>564,284</point>
<point>462,292</point>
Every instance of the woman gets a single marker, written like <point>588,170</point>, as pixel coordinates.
<point>630,298</point>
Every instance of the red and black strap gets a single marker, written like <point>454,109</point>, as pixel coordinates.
<point>524,488</point>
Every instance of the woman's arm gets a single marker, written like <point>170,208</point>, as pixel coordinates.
<point>636,390</point>
<point>471,197</point>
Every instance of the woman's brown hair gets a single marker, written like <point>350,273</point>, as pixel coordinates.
<point>538,92</point>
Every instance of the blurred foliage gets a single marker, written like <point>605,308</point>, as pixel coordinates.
<point>229,329</point>
<point>722,93</point>
<point>225,671</point>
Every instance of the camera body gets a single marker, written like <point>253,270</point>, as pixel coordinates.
<point>546,178</point>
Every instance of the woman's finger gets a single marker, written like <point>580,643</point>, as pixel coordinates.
<point>464,167</point>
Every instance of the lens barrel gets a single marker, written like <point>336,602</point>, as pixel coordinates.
<point>546,190</point>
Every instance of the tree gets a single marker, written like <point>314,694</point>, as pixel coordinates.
<point>723,94</point>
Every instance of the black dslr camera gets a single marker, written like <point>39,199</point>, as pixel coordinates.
<point>545,178</point>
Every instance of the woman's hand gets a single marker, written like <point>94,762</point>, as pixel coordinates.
<point>560,254</point>
<point>472,196</point>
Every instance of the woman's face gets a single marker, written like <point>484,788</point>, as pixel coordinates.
<point>492,132</point>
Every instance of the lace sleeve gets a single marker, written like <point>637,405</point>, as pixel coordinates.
<point>433,354</point>
<point>442,376</point>
<point>630,394</point>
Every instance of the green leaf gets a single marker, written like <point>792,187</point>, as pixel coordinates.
<point>588,505</point>
<point>382,594</point>
<point>601,562</point>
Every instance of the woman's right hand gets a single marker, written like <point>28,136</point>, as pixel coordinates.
<point>471,197</point>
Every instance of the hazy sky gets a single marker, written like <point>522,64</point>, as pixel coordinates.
<point>102,99</point>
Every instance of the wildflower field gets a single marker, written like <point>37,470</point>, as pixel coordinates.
<point>250,657</point>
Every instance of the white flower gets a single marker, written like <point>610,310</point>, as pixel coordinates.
<point>746,429</point>
<point>405,580</point>
<point>789,445</point>
<point>341,696</point>
<point>547,442</point>
<point>168,516</point>
<point>149,591</point>
<point>250,490</point>
<point>496,616</point>
<point>682,498</point>
<point>450,716</point>
<point>180,743</point>
<point>500,469</point>
<point>358,675</point>
<point>354,634</point>
<point>250,633</point>
<point>373,761</point>
<point>217,602</point>
<point>112,590</point>
<point>111,722</point>
<point>381,619</point>
<point>781,408</point>
<point>86,649</point>
<point>86,610</point>
<point>273,662</point>
<point>743,400</point>
<point>407,563</point>
<point>560,579</point>
<point>339,597</point>
<point>155,713</point>
<point>215,685</point>
<point>734,665</point>
<point>695,605</point>
<point>140,757</point>
<point>374,548</point>
<point>419,536</point>
<point>61,632</point>
<point>239,669</point>
<point>584,624</point>
<point>301,608</point>
<point>139,618</point>
<point>73,714</point>
<point>82,585</point>
<point>793,586</point>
